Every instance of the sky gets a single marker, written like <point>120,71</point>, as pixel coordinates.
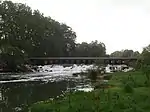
<point>119,24</point>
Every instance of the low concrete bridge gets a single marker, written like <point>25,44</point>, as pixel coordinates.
<point>81,60</point>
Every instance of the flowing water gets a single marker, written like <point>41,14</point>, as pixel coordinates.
<point>19,91</point>
<point>18,95</point>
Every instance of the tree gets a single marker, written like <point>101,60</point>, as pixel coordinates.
<point>145,64</point>
<point>116,54</point>
<point>128,53</point>
<point>12,40</point>
<point>125,53</point>
<point>93,49</point>
<point>27,33</point>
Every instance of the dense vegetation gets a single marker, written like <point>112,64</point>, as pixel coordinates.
<point>128,92</point>
<point>125,53</point>
<point>125,92</point>
<point>28,33</point>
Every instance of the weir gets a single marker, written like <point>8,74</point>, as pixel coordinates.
<point>82,60</point>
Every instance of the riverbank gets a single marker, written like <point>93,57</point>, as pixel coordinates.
<point>128,92</point>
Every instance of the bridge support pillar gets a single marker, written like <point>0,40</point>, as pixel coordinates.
<point>66,61</point>
<point>107,61</point>
<point>77,61</point>
<point>89,61</point>
<point>72,61</point>
<point>51,62</point>
<point>82,61</point>
<point>46,62</point>
<point>60,61</point>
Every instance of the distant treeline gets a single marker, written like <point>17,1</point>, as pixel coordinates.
<point>28,33</point>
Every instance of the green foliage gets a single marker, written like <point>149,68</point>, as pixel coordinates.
<point>108,77</point>
<point>101,84</point>
<point>92,74</point>
<point>138,64</point>
<point>136,79</point>
<point>132,99</point>
<point>28,33</point>
<point>128,87</point>
<point>145,64</point>
<point>125,53</point>
<point>98,101</point>
<point>95,72</point>
<point>93,49</point>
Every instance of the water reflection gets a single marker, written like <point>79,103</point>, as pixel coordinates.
<point>16,97</point>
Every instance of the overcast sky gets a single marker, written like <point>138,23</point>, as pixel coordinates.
<point>120,24</point>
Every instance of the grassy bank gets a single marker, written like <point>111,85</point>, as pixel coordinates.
<point>129,93</point>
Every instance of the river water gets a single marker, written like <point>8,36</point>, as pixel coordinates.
<point>17,96</point>
<point>19,91</point>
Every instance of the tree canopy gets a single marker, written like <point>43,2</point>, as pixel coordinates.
<point>28,33</point>
<point>93,49</point>
<point>125,53</point>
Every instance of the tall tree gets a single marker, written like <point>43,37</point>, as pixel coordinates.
<point>93,49</point>
<point>125,53</point>
<point>27,33</point>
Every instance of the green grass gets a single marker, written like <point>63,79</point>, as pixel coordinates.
<point>114,99</point>
<point>120,78</point>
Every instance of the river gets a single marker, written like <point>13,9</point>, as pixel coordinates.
<point>17,96</point>
<point>19,91</point>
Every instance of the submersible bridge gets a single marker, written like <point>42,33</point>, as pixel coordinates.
<point>82,60</point>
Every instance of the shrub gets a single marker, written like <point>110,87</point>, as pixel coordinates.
<point>108,77</point>
<point>132,80</point>
<point>147,83</point>
<point>101,85</point>
<point>93,74</point>
<point>110,100</point>
<point>128,88</point>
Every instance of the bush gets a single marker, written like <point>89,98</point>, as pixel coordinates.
<point>93,74</point>
<point>99,101</point>
<point>132,81</point>
<point>108,77</point>
<point>108,100</point>
<point>128,88</point>
<point>101,85</point>
<point>147,83</point>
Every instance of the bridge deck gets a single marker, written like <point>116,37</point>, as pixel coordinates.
<point>84,58</point>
